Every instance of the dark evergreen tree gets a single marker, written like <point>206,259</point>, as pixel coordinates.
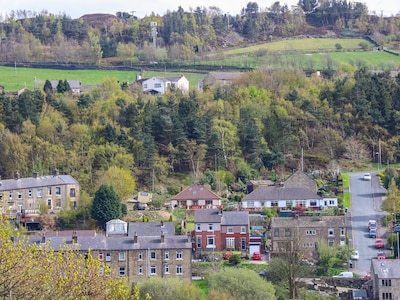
<point>106,205</point>
<point>48,88</point>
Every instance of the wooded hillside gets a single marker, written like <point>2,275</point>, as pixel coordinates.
<point>181,35</point>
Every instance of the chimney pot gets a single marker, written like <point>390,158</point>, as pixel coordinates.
<point>74,237</point>
<point>135,238</point>
<point>162,237</point>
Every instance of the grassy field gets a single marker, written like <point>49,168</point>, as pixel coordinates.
<point>306,45</point>
<point>307,53</point>
<point>16,78</point>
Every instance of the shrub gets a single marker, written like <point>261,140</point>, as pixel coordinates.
<point>235,259</point>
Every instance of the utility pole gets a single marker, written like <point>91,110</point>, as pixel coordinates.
<point>380,155</point>
<point>154,33</point>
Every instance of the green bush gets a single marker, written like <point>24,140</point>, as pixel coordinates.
<point>235,259</point>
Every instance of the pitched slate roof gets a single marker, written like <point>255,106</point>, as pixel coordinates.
<point>309,222</point>
<point>226,75</point>
<point>73,84</point>
<point>196,192</point>
<point>151,228</point>
<point>208,215</point>
<point>101,242</point>
<point>268,193</point>
<point>235,218</point>
<point>386,268</point>
<point>34,182</point>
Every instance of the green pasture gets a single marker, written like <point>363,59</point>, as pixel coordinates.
<point>306,54</point>
<point>302,44</point>
<point>374,60</point>
<point>14,79</point>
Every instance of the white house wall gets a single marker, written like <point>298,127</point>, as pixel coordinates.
<point>321,203</point>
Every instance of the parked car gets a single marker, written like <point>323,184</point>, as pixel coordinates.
<point>355,255</point>
<point>372,233</point>
<point>381,255</point>
<point>379,243</point>
<point>345,275</point>
<point>367,176</point>
<point>396,229</point>
<point>140,206</point>
<point>256,256</point>
<point>305,262</point>
<point>372,224</point>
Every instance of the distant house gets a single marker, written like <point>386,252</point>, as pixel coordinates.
<point>301,179</point>
<point>219,79</point>
<point>159,85</point>
<point>283,197</point>
<point>22,197</point>
<point>75,86</point>
<point>385,275</point>
<point>196,196</point>
<point>141,197</point>
<point>135,250</point>
<point>220,230</point>
<point>307,232</point>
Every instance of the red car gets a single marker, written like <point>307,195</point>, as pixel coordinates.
<point>256,256</point>
<point>379,243</point>
<point>381,256</point>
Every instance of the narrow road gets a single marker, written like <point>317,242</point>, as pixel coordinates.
<point>366,202</point>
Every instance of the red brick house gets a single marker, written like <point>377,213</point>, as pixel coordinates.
<point>220,230</point>
<point>196,196</point>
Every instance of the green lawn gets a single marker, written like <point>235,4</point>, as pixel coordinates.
<point>14,79</point>
<point>306,45</point>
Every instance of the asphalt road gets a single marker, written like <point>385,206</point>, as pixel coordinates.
<point>366,202</point>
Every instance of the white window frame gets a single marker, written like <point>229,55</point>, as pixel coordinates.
<point>166,269</point>
<point>229,230</point>
<point>153,270</point>
<point>140,255</point>
<point>198,227</point>
<point>230,243</point>
<point>58,191</point>
<point>179,270</point>
<point>108,256</point>
<point>179,254</point>
<point>166,255</point>
<point>210,227</point>
<point>242,229</point>
<point>331,232</point>
<point>39,193</point>
<point>153,255</point>
<point>140,270</point>
<point>209,238</point>
<point>121,256</point>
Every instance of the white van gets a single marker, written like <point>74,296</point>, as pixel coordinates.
<point>345,275</point>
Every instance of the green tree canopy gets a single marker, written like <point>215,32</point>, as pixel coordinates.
<point>240,284</point>
<point>106,205</point>
<point>169,289</point>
